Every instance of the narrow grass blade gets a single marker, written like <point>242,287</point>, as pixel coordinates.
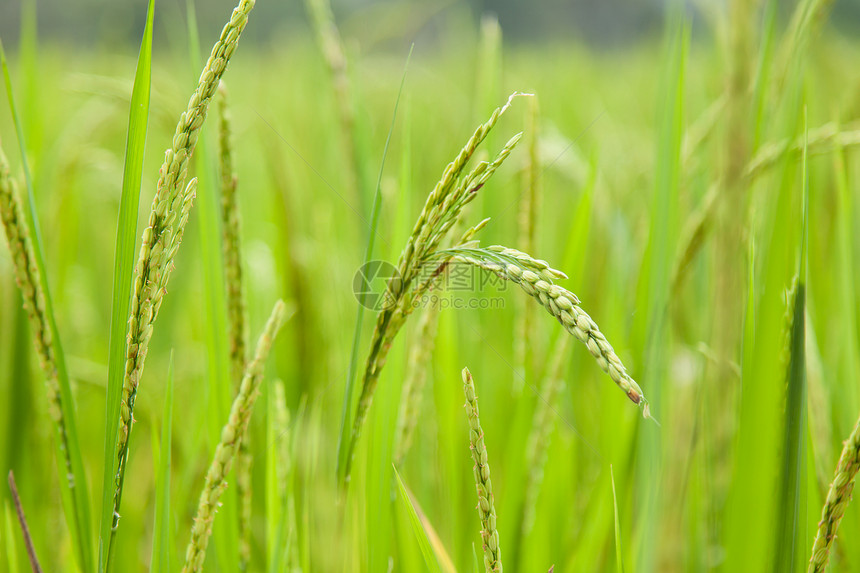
<point>791,510</point>
<point>124,260</point>
<point>619,559</point>
<point>161,545</point>
<point>76,501</point>
<point>748,526</point>
<point>351,393</point>
<point>417,527</point>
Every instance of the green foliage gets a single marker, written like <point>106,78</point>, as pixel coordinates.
<point>750,362</point>
<point>73,481</point>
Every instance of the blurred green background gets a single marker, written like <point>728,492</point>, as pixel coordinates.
<point>647,115</point>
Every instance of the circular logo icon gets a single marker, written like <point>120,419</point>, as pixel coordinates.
<point>374,284</point>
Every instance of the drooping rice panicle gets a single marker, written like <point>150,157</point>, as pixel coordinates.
<point>231,227</point>
<point>536,278</point>
<point>413,386</point>
<point>837,500</point>
<point>483,484</point>
<point>228,448</point>
<point>441,212</point>
<point>162,236</point>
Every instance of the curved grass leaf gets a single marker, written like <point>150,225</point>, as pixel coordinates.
<point>124,260</point>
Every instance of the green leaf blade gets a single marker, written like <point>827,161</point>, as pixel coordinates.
<point>345,441</point>
<point>124,261</point>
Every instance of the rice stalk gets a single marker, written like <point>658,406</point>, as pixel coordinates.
<point>529,208</point>
<point>163,234</point>
<point>536,278</point>
<point>838,497</point>
<point>543,424</point>
<point>440,213</point>
<point>483,484</point>
<point>25,529</point>
<point>413,386</point>
<point>228,448</point>
<point>331,46</point>
<point>237,315</point>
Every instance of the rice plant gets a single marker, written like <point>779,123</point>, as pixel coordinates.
<point>693,187</point>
